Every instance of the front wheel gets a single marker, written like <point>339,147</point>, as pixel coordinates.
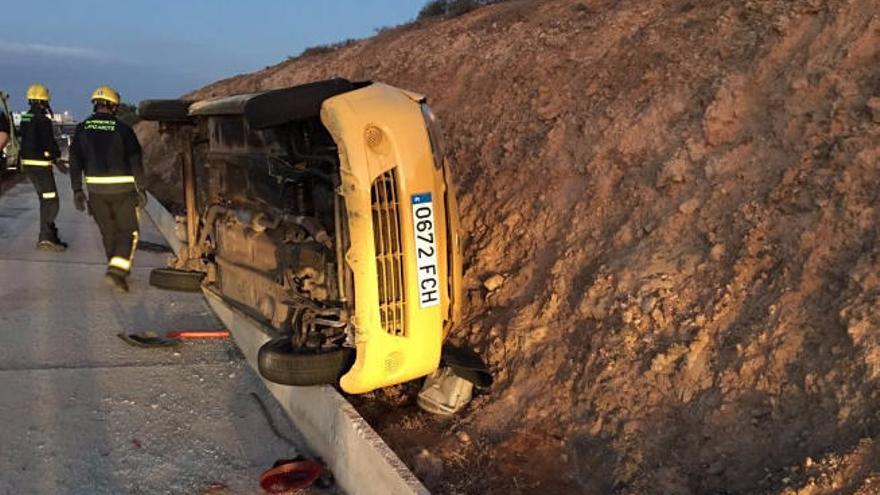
<point>280,363</point>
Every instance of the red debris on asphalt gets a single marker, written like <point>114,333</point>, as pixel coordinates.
<point>288,477</point>
<point>198,334</point>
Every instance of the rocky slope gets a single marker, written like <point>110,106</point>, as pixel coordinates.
<point>682,199</point>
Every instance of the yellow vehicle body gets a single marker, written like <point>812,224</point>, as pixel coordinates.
<point>327,212</point>
<point>387,167</point>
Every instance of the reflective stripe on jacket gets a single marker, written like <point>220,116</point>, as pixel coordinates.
<point>106,151</point>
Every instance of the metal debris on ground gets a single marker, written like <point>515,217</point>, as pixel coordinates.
<point>147,339</point>
<point>152,339</point>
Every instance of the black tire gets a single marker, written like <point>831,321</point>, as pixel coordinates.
<point>176,111</point>
<point>180,280</point>
<point>279,363</point>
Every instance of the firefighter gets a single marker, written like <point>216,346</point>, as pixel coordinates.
<point>4,138</point>
<point>8,141</point>
<point>4,130</point>
<point>39,152</point>
<point>107,152</point>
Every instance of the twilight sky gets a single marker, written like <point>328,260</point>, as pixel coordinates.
<point>164,48</point>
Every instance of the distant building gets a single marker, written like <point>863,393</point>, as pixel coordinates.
<point>64,117</point>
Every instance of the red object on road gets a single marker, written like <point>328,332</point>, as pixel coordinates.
<point>290,477</point>
<point>198,334</point>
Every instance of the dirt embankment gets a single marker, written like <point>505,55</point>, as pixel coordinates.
<point>682,199</point>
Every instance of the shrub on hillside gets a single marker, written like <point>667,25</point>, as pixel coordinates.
<point>451,8</point>
<point>433,8</point>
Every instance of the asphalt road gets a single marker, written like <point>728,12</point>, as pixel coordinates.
<point>81,412</point>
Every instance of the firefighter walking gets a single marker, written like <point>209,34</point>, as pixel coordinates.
<point>107,153</point>
<point>5,130</point>
<point>39,152</point>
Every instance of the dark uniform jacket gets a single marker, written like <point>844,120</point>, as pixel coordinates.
<point>4,127</point>
<point>38,145</point>
<point>105,150</point>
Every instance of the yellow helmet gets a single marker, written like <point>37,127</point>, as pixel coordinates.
<point>37,92</point>
<point>106,93</point>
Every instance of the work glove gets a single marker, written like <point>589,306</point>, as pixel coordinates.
<point>141,198</point>
<point>80,200</point>
<point>62,167</point>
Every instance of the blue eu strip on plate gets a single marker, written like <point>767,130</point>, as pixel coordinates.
<point>421,198</point>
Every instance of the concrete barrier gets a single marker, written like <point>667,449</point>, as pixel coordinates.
<point>164,222</point>
<point>361,462</point>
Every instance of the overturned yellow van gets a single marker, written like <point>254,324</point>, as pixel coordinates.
<point>326,212</point>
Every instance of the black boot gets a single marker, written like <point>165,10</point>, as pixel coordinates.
<point>116,278</point>
<point>50,241</point>
<point>55,237</point>
<point>54,245</point>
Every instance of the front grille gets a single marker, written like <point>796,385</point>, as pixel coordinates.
<point>389,252</point>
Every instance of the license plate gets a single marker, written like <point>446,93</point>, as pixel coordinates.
<point>426,250</point>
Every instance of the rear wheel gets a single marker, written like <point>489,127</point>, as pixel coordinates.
<point>279,362</point>
<point>180,280</point>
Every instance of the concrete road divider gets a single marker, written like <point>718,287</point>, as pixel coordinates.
<point>164,222</point>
